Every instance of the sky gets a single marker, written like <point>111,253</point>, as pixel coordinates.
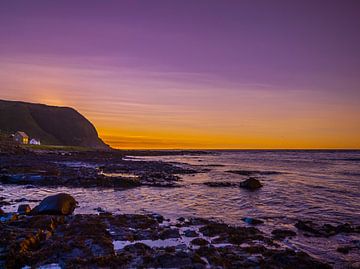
<point>165,74</point>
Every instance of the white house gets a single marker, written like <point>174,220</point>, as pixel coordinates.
<point>35,142</point>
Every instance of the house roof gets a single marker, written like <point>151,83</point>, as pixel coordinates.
<point>23,134</point>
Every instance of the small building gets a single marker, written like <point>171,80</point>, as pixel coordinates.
<point>35,142</point>
<point>21,137</point>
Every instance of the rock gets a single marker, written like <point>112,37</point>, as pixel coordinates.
<point>3,202</point>
<point>199,242</point>
<point>59,204</point>
<point>158,217</point>
<point>253,172</point>
<point>307,226</point>
<point>100,210</point>
<point>292,259</point>
<point>283,233</point>
<point>169,233</point>
<point>326,229</point>
<point>224,184</point>
<point>252,221</point>
<point>344,249</point>
<point>190,233</point>
<point>24,209</point>
<point>251,184</point>
<point>1,212</point>
<point>8,217</point>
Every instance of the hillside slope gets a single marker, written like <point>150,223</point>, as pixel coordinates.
<point>52,125</point>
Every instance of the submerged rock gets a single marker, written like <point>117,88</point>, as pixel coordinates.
<point>251,184</point>
<point>190,233</point>
<point>199,242</point>
<point>282,233</point>
<point>326,229</point>
<point>344,249</point>
<point>59,204</point>
<point>221,184</point>
<point>8,217</point>
<point>253,172</point>
<point>24,209</point>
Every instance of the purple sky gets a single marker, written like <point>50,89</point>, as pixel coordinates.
<point>176,56</point>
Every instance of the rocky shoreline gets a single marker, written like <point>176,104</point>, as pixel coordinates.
<point>43,237</point>
<point>36,238</point>
<point>104,169</point>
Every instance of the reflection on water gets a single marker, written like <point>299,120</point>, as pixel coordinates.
<point>322,186</point>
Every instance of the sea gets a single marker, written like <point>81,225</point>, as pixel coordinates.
<point>322,186</point>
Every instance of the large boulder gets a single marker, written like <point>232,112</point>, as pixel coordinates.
<point>251,184</point>
<point>24,209</point>
<point>59,204</point>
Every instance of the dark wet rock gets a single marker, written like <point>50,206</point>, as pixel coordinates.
<point>199,242</point>
<point>222,184</point>
<point>24,209</point>
<point>190,233</point>
<point>102,211</point>
<point>291,259</point>
<point>354,245</point>
<point>169,233</point>
<point>344,249</point>
<point>85,241</point>
<point>253,172</point>
<point>326,230</point>
<point>251,184</point>
<point>158,217</point>
<point>307,226</point>
<point>59,204</point>
<point>282,233</point>
<point>197,221</point>
<point>3,202</point>
<point>260,257</point>
<point>231,234</point>
<point>181,219</point>
<point>22,200</point>
<point>180,259</point>
<point>86,169</point>
<point>252,221</point>
<point>8,217</point>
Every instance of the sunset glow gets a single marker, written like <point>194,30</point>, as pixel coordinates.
<point>162,75</point>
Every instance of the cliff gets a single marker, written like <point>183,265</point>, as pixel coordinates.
<point>52,125</point>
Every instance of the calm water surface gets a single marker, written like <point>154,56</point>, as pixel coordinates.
<point>323,186</point>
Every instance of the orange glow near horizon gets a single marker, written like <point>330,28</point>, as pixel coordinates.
<point>144,111</point>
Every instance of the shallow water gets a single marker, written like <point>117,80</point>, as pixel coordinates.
<point>320,185</point>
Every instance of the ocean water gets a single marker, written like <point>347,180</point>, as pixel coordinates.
<point>323,186</point>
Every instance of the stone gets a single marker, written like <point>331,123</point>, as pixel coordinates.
<point>282,233</point>
<point>344,249</point>
<point>199,242</point>
<point>24,209</point>
<point>223,184</point>
<point>251,184</point>
<point>59,204</point>
<point>326,230</point>
<point>190,233</point>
